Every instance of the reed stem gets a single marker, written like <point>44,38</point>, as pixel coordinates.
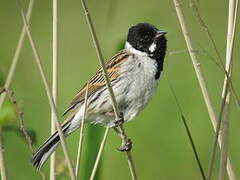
<point>77,169</point>
<point>49,95</point>
<point>232,15</point>
<point>54,81</point>
<point>8,83</point>
<point>108,84</point>
<point>103,142</point>
<point>200,77</point>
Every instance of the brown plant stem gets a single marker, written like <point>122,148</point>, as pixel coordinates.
<point>21,121</point>
<point>22,125</point>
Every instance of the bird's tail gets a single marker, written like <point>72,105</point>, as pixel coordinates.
<point>48,147</point>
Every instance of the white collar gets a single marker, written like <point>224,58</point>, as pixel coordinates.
<point>131,49</point>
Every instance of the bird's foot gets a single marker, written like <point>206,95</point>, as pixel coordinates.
<point>120,121</point>
<point>126,146</point>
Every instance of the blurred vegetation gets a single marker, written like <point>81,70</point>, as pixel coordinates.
<point>161,149</point>
<point>8,114</point>
<point>1,81</point>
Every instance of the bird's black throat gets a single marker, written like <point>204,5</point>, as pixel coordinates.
<point>159,54</point>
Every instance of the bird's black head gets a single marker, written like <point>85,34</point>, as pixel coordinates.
<point>146,38</point>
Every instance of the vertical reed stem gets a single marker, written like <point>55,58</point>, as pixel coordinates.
<point>232,14</point>
<point>77,169</point>
<point>99,154</point>
<point>54,81</point>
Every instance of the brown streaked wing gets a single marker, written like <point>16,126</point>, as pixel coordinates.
<point>97,81</point>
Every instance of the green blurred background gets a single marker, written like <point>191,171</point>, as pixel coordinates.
<point>161,149</point>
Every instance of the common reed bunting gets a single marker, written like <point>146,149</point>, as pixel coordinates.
<point>134,73</point>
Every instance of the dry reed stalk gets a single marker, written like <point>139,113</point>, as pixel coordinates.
<point>227,83</point>
<point>108,84</point>
<point>232,16</point>
<point>77,168</point>
<point>16,55</point>
<point>103,142</point>
<point>224,96</point>
<point>20,117</point>
<point>48,92</point>
<point>210,36</point>
<point>54,81</point>
<point>200,77</point>
<point>8,82</point>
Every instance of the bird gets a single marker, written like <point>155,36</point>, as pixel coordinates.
<point>134,74</point>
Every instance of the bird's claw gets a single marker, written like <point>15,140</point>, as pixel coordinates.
<point>120,121</point>
<point>126,146</point>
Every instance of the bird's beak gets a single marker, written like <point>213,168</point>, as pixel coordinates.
<point>160,33</point>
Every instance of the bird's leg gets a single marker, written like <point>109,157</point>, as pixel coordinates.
<point>126,142</point>
<point>126,146</point>
<point>120,121</point>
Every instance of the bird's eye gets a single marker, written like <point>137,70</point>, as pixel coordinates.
<point>146,38</point>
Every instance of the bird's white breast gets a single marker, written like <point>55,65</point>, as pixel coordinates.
<point>139,83</point>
